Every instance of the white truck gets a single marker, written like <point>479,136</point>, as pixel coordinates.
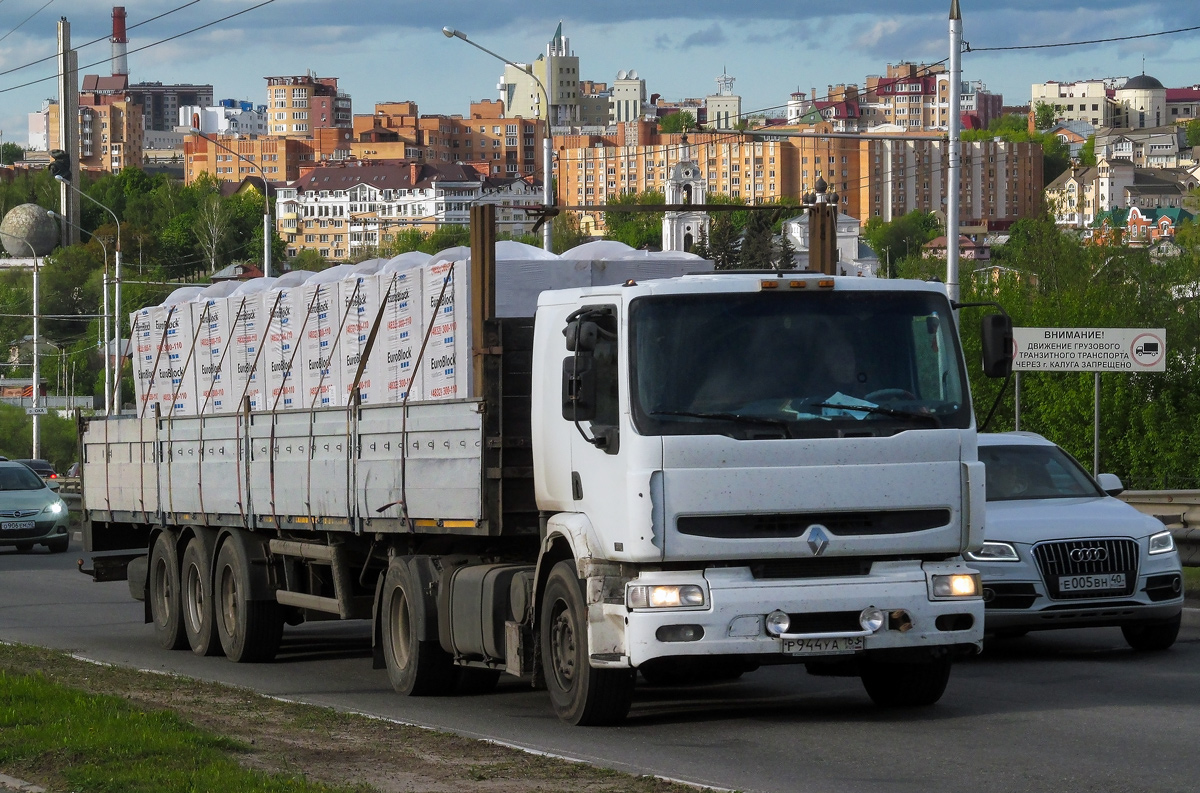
<point>695,475</point>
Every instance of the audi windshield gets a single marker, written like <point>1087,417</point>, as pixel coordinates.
<point>1015,473</point>
<point>791,365</point>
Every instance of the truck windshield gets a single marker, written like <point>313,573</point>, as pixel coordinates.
<point>795,365</point>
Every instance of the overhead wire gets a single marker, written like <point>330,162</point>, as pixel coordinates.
<point>968,48</point>
<point>26,19</point>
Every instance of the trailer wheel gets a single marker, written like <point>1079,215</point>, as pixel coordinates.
<point>907,684</point>
<point>164,593</point>
<point>415,667</point>
<point>249,630</point>
<point>580,694</point>
<point>199,614</point>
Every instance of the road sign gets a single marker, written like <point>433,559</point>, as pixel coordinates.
<point>37,411</point>
<point>1089,350</point>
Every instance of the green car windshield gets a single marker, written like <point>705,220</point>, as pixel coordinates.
<point>794,365</point>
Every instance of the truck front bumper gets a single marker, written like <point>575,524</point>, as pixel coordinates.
<point>732,620</point>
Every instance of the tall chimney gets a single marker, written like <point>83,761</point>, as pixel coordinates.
<point>120,63</point>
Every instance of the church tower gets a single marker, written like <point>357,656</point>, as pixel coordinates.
<point>682,230</point>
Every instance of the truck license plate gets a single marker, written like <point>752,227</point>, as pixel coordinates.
<point>1082,583</point>
<point>16,525</point>
<point>839,646</point>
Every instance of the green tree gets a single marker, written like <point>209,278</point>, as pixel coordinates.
<point>723,242</point>
<point>308,259</point>
<point>10,153</point>
<point>565,233</point>
<point>785,253</point>
<point>1044,115</point>
<point>682,121</point>
<point>701,246</point>
<point>1087,152</point>
<point>757,251</point>
<point>446,237</point>
<point>901,238</point>
<point>404,241</point>
<point>1193,133</point>
<point>635,229</point>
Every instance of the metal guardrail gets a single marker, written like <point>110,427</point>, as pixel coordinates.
<point>1179,510</point>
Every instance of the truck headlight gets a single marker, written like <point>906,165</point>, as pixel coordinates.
<point>664,596</point>
<point>1162,542</point>
<point>54,509</point>
<point>959,585</point>
<point>994,552</point>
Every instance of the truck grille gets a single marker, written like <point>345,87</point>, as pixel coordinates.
<point>839,524</point>
<point>1087,557</point>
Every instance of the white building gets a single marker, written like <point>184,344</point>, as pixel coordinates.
<point>227,118</point>
<point>687,185</point>
<point>724,108</point>
<point>1092,101</point>
<point>627,101</point>
<point>338,210</point>
<point>39,127</point>
<point>558,69</point>
<point>855,257</point>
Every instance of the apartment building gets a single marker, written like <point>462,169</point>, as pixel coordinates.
<point>1080,196</point>
<point>110,124</point>
<point>280,158</point>
<point>1157,147</point>
<point>909,95</point>
<point>558,70</point>
<point>1093,101</point>
<point>1139,102</point>
<point>299,105</point>
<point>161,103</point>
<point>340,210</point>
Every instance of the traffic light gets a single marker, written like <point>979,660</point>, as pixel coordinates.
<point>60,164</point>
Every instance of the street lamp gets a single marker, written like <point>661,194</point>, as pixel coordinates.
<point>195,130</point>
<point>107,337</point>
<point>547,191</point>
<point>36,344</point>
<point>116,366</point>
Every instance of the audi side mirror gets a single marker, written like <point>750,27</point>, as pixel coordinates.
<point>1111,484</point>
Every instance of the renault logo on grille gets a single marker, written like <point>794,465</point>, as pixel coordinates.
<point>1089,554</point>
<point>818,540</point>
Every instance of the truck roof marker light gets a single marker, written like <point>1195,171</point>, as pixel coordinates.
<point>798,284</point>
<point>769,284</point>
<point>825,283</point>
<point>630,282</point>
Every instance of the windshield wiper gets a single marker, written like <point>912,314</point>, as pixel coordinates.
<point>738,417</point>
<point>882,411</point>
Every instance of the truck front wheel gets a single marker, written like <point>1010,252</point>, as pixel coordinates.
<point>906,684</point>
<point>580,694</point>
<point>198,613</point>
<point>415,667</point>
<point>250,630</point>
<point>164,593</point>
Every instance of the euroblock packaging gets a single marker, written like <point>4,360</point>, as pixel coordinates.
<point>318,317</point>
<point>280,360</point>
<point>359,306</point>
<point>394,359</point>
<point>245,377</point>
<point>212,322</point>
<point>446,303</point>
<point>148,346</point>
<point>176,373</point>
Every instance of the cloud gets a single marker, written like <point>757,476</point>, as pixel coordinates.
<point>710,36</point>
<point>662,41</point>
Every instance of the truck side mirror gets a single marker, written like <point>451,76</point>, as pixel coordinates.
<point>579,388</point>
<point>996,333</point>
<point>582,335</point>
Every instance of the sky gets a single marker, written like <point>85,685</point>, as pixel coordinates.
<point>391,50</point>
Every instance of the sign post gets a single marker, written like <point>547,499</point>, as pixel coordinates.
<point>1097,350</point>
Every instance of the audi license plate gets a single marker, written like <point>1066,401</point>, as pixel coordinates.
<point>16,525</point>
<point>1082,583</point>
<point>839,646</point>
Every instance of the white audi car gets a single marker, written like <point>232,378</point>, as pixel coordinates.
<point>1061,552</point>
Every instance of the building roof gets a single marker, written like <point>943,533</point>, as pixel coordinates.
<point>1142,81</point>
<point>1080,128</point>
<point>1083,175</point>
<point>1189,94</point>
<point>398,176</point>
<point>114,84</point>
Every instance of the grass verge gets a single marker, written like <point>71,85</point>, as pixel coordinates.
<point>1191,582</point>
<point>68,724</point>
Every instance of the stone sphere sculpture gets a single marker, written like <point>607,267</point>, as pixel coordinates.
<point>31,223</point>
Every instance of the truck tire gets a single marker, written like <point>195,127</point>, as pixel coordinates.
<point>416,667</point>
<point>199,614</point>
<point>249,630</point>
<point>1154,637</point>
<point>907,684</point>
<point>581,695</point>
<point>164,593</point>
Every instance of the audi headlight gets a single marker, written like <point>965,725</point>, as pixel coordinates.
<point>959,585</point>
<point>1162,542</point>
<point>994,552</point>
<point>665,596</point>
<point>57,508</point>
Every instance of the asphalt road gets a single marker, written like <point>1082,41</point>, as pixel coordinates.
<point>1065,711</point>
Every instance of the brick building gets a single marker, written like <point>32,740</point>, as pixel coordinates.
<point>299,105</point>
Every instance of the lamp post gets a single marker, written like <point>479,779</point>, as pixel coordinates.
<point>113,399</point>
<point>547,189</point>
<point>107,336</point>
<point>36,339</point>
<point>195,130</point>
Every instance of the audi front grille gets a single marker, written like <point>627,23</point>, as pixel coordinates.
<point>1087,557</point>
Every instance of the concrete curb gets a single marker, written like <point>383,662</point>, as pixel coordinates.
<point>1191,617</point>
<point>11,783</point>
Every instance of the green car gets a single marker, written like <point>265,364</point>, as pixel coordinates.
<point>31,511</point>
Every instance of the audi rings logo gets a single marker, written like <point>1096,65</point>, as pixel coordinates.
<point>1089,554</point>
